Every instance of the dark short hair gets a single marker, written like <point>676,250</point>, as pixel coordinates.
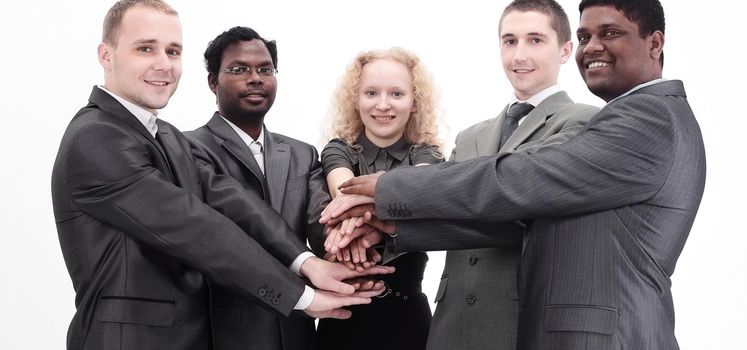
<point>558,17</point>
<point>647,14</point>
<point>214,52</point>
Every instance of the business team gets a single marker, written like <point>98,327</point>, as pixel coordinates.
<point>563,222</point>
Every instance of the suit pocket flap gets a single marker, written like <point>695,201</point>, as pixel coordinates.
<point>593,319</point>
<point>441,289</point>
<point>149,312</point>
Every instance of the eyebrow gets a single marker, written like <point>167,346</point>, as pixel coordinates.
<point>244,63</point>
<point>511,35</point>
<point>153,41</point>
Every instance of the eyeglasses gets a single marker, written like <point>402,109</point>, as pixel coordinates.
<point>244,70</point>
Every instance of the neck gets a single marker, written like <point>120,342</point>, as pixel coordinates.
<point>250,125</point>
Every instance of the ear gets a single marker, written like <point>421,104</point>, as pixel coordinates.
<point>414,108</point>
<point>105,56</point>
<point>566,50</point>
<point>657,45</point>
<point>212,81</point>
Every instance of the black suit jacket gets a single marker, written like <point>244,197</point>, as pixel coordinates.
<point>138,237</point>
<point>295,187</point>
<point>613,207</point>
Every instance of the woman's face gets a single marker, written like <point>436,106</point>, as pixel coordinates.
<point>385,100</point>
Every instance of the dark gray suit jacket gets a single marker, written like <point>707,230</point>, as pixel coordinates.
<point>138,237</point>
<point>477,298</point>
<point>295,186</point>
<point>612,209</point>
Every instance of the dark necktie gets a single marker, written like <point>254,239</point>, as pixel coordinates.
<point>513,115</point>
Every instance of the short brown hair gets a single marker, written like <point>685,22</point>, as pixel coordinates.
<point>558,17</point>
<point>113,18</point>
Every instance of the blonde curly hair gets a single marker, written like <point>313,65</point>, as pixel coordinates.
<point>421,128</point>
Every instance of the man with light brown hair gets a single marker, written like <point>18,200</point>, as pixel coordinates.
<point>145,227</point>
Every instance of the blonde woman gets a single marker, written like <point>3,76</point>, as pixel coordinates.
<point>384,117</point>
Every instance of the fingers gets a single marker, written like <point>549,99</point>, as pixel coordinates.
<point>341,204</point>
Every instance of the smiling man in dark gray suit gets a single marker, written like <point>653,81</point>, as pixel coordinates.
<point>611,208</point>
<point>285,172</point>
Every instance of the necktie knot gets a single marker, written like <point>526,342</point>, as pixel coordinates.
<point>513,115</point>
<point>256,147</point>
<point>151,125</point>
<point>518,110</point>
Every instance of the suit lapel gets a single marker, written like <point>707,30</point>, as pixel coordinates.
<point>536,119</point>
<point>235,146</point>
<point>488,138</point>
<point>108,104</point>
<point>277,163</point>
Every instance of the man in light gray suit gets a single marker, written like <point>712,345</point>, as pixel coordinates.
<point>477,298</point>
<point>283,171</point>
<point>611,208</point>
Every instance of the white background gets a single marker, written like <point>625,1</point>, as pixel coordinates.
<point>48,65</point>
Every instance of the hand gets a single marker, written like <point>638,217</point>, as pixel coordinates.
<point>364,185</point>
<point>330,305</point>
<point>340,205</point>
<point>330,276</point>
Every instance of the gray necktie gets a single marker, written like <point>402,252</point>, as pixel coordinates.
<point>513,115</point>
<point>256,148</point>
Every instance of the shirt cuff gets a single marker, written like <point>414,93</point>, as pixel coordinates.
<point>306,298</point>
<point>296,265</point>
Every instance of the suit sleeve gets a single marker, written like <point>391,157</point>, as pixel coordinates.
<point>318,199</point>
<point>621,158</point>
<point>113,179</point>
<point>226,195</point>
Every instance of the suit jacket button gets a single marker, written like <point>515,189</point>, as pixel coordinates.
<point>473,260</point>
<point>471,299</point>
<point>275,300</point>
<point>262,292</point>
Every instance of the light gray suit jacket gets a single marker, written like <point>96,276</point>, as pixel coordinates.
<point>478,298</point>
<point>294,185</point>
<point>612,209</point>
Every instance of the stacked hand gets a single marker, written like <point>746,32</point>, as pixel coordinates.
<point>338,286</point>
<point>352,226</point>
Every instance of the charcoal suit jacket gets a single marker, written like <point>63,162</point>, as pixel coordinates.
<point>293,183</point>
<point>142,222</point>
<point>611,209</point>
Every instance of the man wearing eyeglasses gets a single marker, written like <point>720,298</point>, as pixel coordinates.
<point>283,171</point>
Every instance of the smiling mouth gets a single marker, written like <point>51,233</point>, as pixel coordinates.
<point>383,118</point>
<point>157,83</point>
<point>523,71</point>
<point>597,64</point>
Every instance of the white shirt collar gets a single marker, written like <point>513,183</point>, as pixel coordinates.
<point>638,87</point>
<point>538,97</point>
<point>244,136</point>
<point>143,115</point>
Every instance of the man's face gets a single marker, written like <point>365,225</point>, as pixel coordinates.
<point>611,56</point>
<point>246,95</point>
<point>145,66</point>
<point>530,52</point>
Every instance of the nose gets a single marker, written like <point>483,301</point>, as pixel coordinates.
<point>254,78</point>
<point>593,45</point>
<point>382,103</point>
<point>520,53</point>
<point>163,62</point>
